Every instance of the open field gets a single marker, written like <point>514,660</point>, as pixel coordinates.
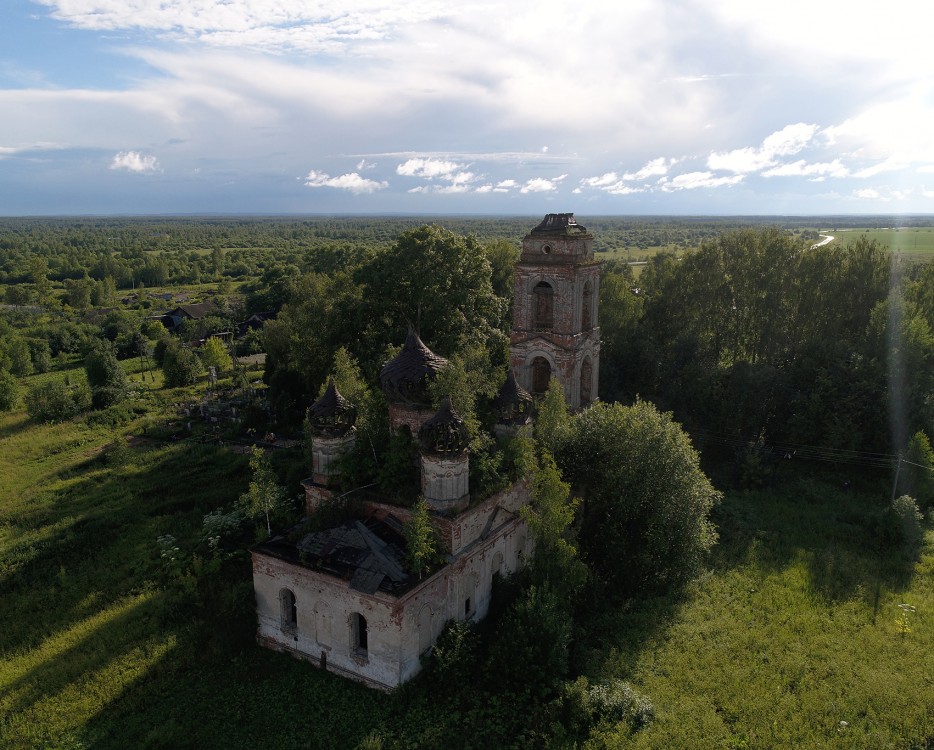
<point>793,639</point>
<point>914,242</point>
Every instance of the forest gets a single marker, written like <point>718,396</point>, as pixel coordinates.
<point>761,451</point>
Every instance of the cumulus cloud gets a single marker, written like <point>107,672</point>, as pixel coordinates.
<point>868,194</point>
<point>134,161</point>
<point>785,142</point>
<point>694,180</point>
<point>429,168</point>
<point>654,168</point>
<point>616,184</point>
<point>801,168</point>
<point>352,182</point>
<point>610,183</point>
<point>542,185</point>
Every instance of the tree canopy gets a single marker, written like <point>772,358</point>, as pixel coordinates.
<point>645,522</point>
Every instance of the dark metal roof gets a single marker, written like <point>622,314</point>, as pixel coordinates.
<point>513,404</point>
<point>405,378</point>
<point>563,223</point>
<point>445,433</point>
<point>332,415</point>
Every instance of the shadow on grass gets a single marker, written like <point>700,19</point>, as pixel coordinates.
<point>13,424</point>
<point>825,518</point>
<point>103,539</point>
<point>613,638</point>
<point>255,698</point>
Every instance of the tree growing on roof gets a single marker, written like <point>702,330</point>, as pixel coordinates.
<point>421,542</point>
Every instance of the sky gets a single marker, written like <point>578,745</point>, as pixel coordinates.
<point>429,106</point>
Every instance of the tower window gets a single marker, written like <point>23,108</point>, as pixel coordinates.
<point>587,307</point>
<point>541,376</point>
<point>586,383</point>
<point>543,306</point>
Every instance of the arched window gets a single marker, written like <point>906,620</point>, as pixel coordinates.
<point>586,383</point>
<point>543,306</point>
<point>358,634</point>
<point>288,611</point>
<point>587,307</point>
<point>541,376</point>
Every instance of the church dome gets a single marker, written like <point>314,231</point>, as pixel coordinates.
<point>332,415</point>
<point>513,404</point>
<point>405,378</point>
<point>445,433</point>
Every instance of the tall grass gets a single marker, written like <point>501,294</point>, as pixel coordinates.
<point>794,638</point>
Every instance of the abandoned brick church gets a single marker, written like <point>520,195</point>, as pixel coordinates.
<point>342,597</point>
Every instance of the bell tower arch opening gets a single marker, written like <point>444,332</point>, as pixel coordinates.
<point>543,305</point>
<point>541,376</point>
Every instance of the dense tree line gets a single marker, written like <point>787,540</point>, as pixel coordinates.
<point>758,337</point>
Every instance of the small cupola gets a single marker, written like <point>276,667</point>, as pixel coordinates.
<point>405,380</point>
<point>332,415</point>
<point>512,405</point>
<point>331,420</point>
<point>443,441</point>
<point>445,433</point>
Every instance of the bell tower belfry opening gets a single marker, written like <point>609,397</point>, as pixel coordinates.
<point>555,331</point>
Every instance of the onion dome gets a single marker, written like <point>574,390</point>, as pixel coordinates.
<point>513,404</point>
<point>445,433</point>
<point>405,378</point>
<point>332,415</point>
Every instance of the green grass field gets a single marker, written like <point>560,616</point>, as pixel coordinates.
<point>915,242</point>
<point>793,638</point>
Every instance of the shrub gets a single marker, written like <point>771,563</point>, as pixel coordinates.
<point>9,391</point>
<point>181,366</point>
<point>907,520</point>
<point>106,378</point>
<point>55,401</point>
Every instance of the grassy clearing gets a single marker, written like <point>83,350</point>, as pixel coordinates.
<point>794,638</point>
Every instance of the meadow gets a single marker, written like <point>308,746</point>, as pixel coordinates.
<point>109,639</point>
<point>916,243</point>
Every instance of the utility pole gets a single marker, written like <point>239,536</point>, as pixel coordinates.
<point>895,483</point>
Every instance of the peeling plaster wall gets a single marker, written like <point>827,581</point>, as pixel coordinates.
<point>399,630</point>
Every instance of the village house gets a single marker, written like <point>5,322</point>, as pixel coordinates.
<point>342,597</point>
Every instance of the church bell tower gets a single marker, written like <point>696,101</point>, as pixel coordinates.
<point>555,332</point>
